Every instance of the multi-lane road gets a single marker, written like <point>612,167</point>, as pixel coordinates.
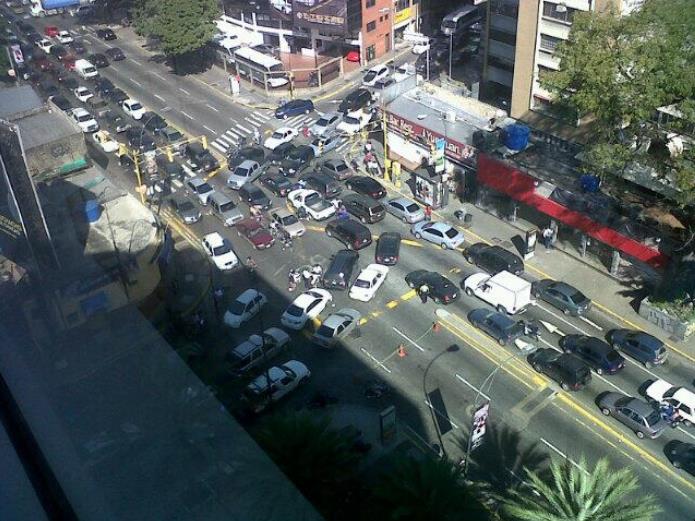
<point>435,397</point>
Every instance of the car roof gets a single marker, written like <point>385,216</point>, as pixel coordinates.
<point>247,163</point>
<point>195,181</point>
<point>79,111</point>
<point>640,407</point>
<point>214,239</point>
<point>501,319</point>
<point>335,162</point>
<point>247,296</point>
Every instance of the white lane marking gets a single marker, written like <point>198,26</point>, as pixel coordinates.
<point>212,108</point>
<point>243,128</point>
<point>160,98</point>
<point>253,123</point>
<point>177,183</point>
<point>256,119</point>
<point>551,346</point>
<point>135,62</point>
<point>187,115</point>
<point>185,91</point>
<point>590,323</point>
<point>159,76</point>
<point>209,129</point>
<point>264,117</point>
<point>550,312</point>
<point>686,432</point>
<point>563,455</point>
<point>461,378</point>
<point>136,83</point>
<point>408,339</point>
<point>219,147</point>
<point>371,357</point>
<point>226,139</point>
<point>441,414</point>
<point>235,133</point>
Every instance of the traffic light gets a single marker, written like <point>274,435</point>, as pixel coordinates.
<point>204,142</point>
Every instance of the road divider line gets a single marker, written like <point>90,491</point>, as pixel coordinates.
<point>135,61</point>
<point>399,332</point>
<point>551,312</point>
<point>409,295</point>
<point>392,304</point>
<point>440,414</point>
<point>209,129</point>
<point>212,108</point>
<point>159,76</point>
<point>136,82</point>
<point>160,98</point>
<point>363,321</point>
<point>187,115</point>
<point>563,455</point>
<point>411,242</point>
<point>185,91</point>
<point>591,323</point>
<point>373,359</point>
<point>478,391</point>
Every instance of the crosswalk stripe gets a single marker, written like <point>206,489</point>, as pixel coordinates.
<point>219,147</point>
<point>254,123</point>
<point>262,116</point>
<point>257,119</point>
<point>177,183</point>
<point>228,140</point>
<point>235,133</point>
<point>243,128</point>
<point>294,119</point>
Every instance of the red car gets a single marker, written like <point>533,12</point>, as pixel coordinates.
<point>353,56</point>
<point>51,31</point>
<point>254,232</point>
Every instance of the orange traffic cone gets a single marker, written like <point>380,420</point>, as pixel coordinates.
<point>436,327</point>
<point>401,351</point>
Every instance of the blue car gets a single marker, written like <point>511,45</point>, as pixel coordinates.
<point>294,108</point>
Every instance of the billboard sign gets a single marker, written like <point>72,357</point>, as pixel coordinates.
<point>17,55</point>
<point>479,425</point>
<point>328,16</point>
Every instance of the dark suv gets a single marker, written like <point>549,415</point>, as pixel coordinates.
<point>201,158</point>
<point>601,357</point>
<point>641,346</point>
<point>339,273</point>
<point>328,187</point>
<point>356,100</point>
<point>493,259</point>
<point>364,208</point>
<point>352,234</point>
<point>569,371</point>
<point>297,160</point>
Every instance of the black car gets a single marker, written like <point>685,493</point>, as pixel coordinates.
<point>601,357</point>
<point>278,184</point>
<point>328,187</point>
<point>367,186</point>
<point>61,102</point>
<point>138,138</point>
<point>116,122</point>
<point>364,208</point>
<point>569,371</point>
<point>352,234</point>
<point>442,290</point>
<point>103,86</point>
<point>340,270</point>
<point>388,248</point>
<point>498,325</point>
<point>681,455</point>
<point>106,34</point>
<point>115,54</point>
<point>118,96</point>
<point>170,169</point>
<point>493,259</point>
<point>298,160</point>
<point>254,196</point>
<point>281,152</point>
<point>200,158</point>
<point>239,155</point>
<point>169,136</point>
<point>98,60</point>
<point>356,100</point>
<point>58,51</point>
<point>77,47</point>
<point>566,298</point>
<point>185,209</point>
<point>154,122</point>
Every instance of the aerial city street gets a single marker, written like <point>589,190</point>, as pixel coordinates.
<point>320,259</point>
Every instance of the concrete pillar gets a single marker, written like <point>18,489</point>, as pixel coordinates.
<point>615,263</point>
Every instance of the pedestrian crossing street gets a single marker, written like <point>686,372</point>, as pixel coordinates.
<point>256,120</point>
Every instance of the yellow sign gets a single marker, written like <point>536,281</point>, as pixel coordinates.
<point>402,16</point>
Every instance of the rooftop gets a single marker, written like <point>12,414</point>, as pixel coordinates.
<point>44,127</point>
<point>16,101</point>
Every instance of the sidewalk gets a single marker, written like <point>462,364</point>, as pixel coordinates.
<point>618,299</point>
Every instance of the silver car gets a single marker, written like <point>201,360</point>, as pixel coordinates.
<point>324,144</point>
<point>441,233</point>
<point>247,172</point>
<point>325,124</point>
<point>338,169</point>
<point>405,210</point>
<point>638,415</point>
<point>336,327</point>
<point>288,221</point>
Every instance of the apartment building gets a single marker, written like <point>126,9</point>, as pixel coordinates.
<point>522,38</point>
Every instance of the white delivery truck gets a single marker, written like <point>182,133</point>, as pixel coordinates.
<point>505,291</point>
<point>85,69</point>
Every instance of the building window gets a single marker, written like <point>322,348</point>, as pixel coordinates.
<point>370,3</point>
<point>386,16</point>
<point>381,18</point>
<point>387,42</point>
<point>505,7</point>
<point>371,53</point>
<point>371,26</point>
<point>402,4</point>
<point>549,43</point>
<point>559,12</point>
<point>501,36</point>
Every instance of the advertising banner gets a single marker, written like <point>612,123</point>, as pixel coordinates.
<point>328,16</point>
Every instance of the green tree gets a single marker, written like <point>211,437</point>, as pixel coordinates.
<point>617,70</point>
<point>423,490</point>
<point>571,493</point>
<point>319,460</point>
<point>183,26</point>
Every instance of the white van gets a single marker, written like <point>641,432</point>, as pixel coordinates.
<point>85,69</point>
<point>505,291</point>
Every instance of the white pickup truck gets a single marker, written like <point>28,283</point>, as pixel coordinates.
<point>311,201</point>
<point>504,291</point>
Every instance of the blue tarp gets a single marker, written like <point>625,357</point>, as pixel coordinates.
<point>58,4</point>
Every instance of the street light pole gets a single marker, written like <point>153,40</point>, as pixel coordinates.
<point>428,62</point>
<point>453,348</point>
<point>451,50</point>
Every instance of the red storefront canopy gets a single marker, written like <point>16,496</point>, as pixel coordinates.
<point>520,186</point>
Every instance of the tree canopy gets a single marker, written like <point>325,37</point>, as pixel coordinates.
<point>182,26</point>
<point>617,70</point>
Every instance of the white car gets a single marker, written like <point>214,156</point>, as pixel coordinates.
<point>65,37</point>
<point>105,141</point>
<point>133,108</point>
<point>85,120</point>
<point>82,93</point>
<point>244,308</point>
<point>306,306</point>
<point>375,74</point>
<point>353,122</point>
<point>220,251</point>
<point>275,383</point>
<point>325,124</point>
<point>368,282</point>
<point>280,136</point>
<point>315,205</point>
<point>45,45</point>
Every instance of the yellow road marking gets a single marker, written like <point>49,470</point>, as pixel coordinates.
<point>392,304</point>
<point>409,295</point>
<point>363,321</point>
<point>314,228</point>
<point>376,314</point>
<point>411,242</point>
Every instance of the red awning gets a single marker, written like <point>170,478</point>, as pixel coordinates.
<point>520,186</point>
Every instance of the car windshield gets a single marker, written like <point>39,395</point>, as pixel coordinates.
<point>278,135</point>
<point>577,297</point>
<point>290,219</point>
<point>253,232</point>
<point>186,206</point>
<point>242,172</point>
<point>296,154</point>
<point>412,208</point>
<point>237,308</point>
<point>135,106</point>
<point>612,356</point>
<point>325,331</point>
<point>226,207</point>
<point>351,121</point>
<point>451,233</point>
<point>516,329</point>
<point>294,310</point>
<point>220,250</point>
<point>340,167</point>
<point>312,199</point>
<point>449,24</point>
<point>83,118</point>
<point>622,402</point>
<point>173,136</point>
<point>369,76</point>
<point>653,418</point>
<point>360,283</point>
<point>322,122</point>
<point>204,188</point>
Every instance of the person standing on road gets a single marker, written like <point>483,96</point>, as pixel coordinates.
<point>428,213</point>
<point>256,136</point>
<point>548,237</point>
<point>423,291</point>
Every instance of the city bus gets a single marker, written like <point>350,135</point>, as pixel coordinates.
<point>461,19</point>
<point>259,68</point>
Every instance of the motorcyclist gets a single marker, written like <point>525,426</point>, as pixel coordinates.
<point>294,278</point>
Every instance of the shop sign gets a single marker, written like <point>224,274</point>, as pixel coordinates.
<point>403,15</point>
